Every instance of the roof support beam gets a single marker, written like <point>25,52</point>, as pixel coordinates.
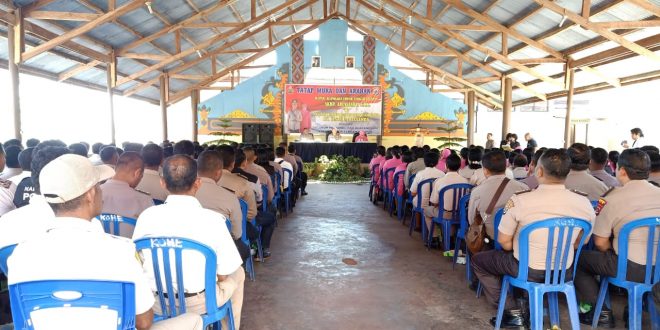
<point>586,8</point>
<point>628,24</point>
<point>63,16</point>
<point>603,32</point>
<point>82,29</point>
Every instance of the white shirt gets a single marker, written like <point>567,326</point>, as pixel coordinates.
<point>150,183</point>
<point>519,173</point>
<point>18,178</point>
<point>427,173</point>
<point>7,191</point>
<point>77,249</point>
<point>449,179</point>
<point>10,173</point>
<point>95,159</point>
<point>638,143</point>
<point>28,221</point>
<point>183,216</point>
<point>287,165</point>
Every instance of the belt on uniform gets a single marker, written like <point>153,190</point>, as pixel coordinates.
<point>185,295</point>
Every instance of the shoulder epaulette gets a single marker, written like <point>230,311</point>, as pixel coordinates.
<point>607,192</point>
<point>143,192</point>
<point>231,191</point>
<point>579,192</point>
<point>654,183</point>
<point>522,192</point>
<point>5,183</point>
<point>242,176</point>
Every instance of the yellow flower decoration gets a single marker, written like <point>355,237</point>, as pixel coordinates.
<point>426,116</point>
<point>268,99</point>
<point>397,100</point>
<point>238,113</point>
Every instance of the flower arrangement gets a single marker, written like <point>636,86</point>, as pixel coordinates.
<point>336,169</point>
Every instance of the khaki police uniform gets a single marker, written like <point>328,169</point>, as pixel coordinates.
<point>466,172</point>
<point>183,216</point>
<point>241,188</point>
<point>285,165</point>
<point>481,196</point>
<point>531,181</point>
<point>221,200</point>
<point>412,169</point>
<point>104,257</point>
<point>119,198</point>
<point>263,176</point>
<point>477,177</point>
<point>606,178</point>
<point>292,160</point>
<point>150,183</point>
<point>655,177</point>
<point>432,210</point>
<point>427,173</point>
<point>635,200</point>
<point>547,201</point>
<point>584,182</point>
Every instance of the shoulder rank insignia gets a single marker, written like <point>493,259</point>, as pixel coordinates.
<point>509,204</point>
<point>607,192</point>
<point>522,192</point>
<point>579,192</point>
<point>654,183</point>
<point>601,203</point>
<point>5,183</point>
<point>231,191</point>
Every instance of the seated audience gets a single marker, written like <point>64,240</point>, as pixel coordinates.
<point>23,181</point>
<point>301,171</point>
<point>612,159</point>
<point>453,163</point>
<point>519,171</point>
<point>239,169</point>
<point>183,216</point>
<point>109,156</point>
<point>12,166</point>
<point>531,180</point>
<point>654,175</point>
<point>597,166</point>
<point>152,155</point>
<point>235,183</point>
<point>442,166</point>
<point>7,188</point>
<point>281,153</point>
<point>254,169</point>
<point>95,157</point>
<point>184,147</point>
<point>361,137</point>
<point>474,163</point>
<point>392,163</point>
<point>430,172</point>
<point>635,199</point>
<point>78,149</point>
<point>407,158</point>
<point>551,199</point>
<point>579,178</point>
<point>415,166</point>
<point>31,143</point>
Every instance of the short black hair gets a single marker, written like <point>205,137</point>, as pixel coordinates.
<point>380,150</point>
<point>168,151</point>
<point>135,147</point>
<point>650,148</point>
<point>25,159</point>
<point>78,149</point>
<point>556,163</point>
<point>152,154</point>
<point>407,156</point>
<point>68,206</point>
<point>130,160</point>
<point>184,147</point>
<point>279,151</point>
<point>107,153</point>
<point>529,153</point>
<point>96,147</point>
<point>13,142</point>
<point>239,158</point>
<point>453,163</point>
<point>41,156</point>
<point>637,131</point>
<point>613,156</point>
<point>419,153</point>
<point>179,173</point>
<point>636,163</point>
<point>11,154</point>
<point>31,143</point>
<point>520,161</point>
<point>291,149</point>
<point>209,161</point>
<point>431,159</point>
<point>655,160</point>
<point>580,155</point>
<point>495,161</point>
<point>228,155</point>
<point>475,155</point>
<point>599,156</point>
<point>465,152</point>
<point>537,156</point>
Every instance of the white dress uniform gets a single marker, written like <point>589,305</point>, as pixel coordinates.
<point>427,173</point>
<point>10,172</point>
<point>150,183</point>
<point>285,177</point>
<point>183,216</point>
<point>18,178</point>
<point>7,191</point>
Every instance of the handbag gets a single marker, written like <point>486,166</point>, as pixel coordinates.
<point>475,238</point>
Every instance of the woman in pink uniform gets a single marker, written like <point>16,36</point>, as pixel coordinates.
<point>392,163</point>
<point>442,164</point>
<point>362,136</point>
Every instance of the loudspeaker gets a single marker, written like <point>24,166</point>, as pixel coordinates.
<point>267,133</point>
<point>250,133</point>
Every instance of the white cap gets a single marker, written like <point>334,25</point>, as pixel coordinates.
<point>70,176</point>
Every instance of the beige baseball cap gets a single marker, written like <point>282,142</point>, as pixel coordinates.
<point>69,176</point>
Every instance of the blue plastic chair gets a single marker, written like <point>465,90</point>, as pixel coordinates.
<point>111,222</point>
<point>171,252</point>
<point>387,192</point>
<point>299,174</point>
<point>555,281</point>
<point>419,209</point>
<point>264,193</point>
<point>635,290</point>
<point>27,297</point>
<point>372,183</point>
<point>287,192</point>
<point>5,252</point>
<point>249,263</point>
<point>278,192</point>
<point>158,202</point>
<point>497,218</point>
<point>409,198</point>
<point>460,234</point>
<point>395,197</point>
<point>457,191</point>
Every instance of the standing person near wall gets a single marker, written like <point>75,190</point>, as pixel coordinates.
<point>490,143</point>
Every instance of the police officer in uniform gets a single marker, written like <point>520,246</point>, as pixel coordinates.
<point>635,199</point>
<point>551,199</point>
<point>152,154</point>
<point>579,178</point>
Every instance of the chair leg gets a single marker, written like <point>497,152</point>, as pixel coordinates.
<point>427,233</point>
<point>456,245</point>
<point>604,283</point>
<point>412,223</point>
<point>572,307</point>
<point>260,250</point>
<point>553,308</point>
<point>468,267</point>
<point>535,310</point>
<point>446,234</point>
<point>635,308</point>
<point>480,289</point>
<point>500,306</point>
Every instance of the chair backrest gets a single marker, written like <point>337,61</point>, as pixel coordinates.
<point>289,176</point>
<point>411,179</point>
<point>560,247</point>
<point>497,218</point>
<point>463,212</point>
<point>167,262</point>
<point>158,202</point>
<point>278,185</point>
<point>457,191</point>
<point>244,210</point>
<point>5,252</point>
<point>111,222</point>
<point>420,186</point>
<point>387,175</point>
<point>28,297</point>
<point>651,225</point>
<point>398,179</point>
<point>374,170</point>
<point>264,192</point>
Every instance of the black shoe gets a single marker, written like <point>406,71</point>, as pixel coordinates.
<point>304,193</point>
<point>266,253</point>
<point>512,319</point>
<point>474,285</point>
<point>606,319</point>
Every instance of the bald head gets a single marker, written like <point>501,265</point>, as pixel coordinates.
<point>129,168</point>
<point>180,175</point>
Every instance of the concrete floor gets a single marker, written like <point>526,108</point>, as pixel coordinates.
<point>396,284</point>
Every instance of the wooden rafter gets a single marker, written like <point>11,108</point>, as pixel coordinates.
<point>63,16</point>
<point>130,6</point>
<point>628,24</point>
<point>603,32</point>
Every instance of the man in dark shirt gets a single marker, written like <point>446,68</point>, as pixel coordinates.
<point>531,143</point>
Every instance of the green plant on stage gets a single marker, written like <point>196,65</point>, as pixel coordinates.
<point>225,124</point>
<point>338,169</point>
<point>450,141</point>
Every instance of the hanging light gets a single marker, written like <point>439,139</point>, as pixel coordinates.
<point>199,53</point>
<point>563,20</point>
<point>151,10</point>
<point>486,58</point>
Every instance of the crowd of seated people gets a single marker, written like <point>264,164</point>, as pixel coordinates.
<point>527,185</point>
<point>52,197</point>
